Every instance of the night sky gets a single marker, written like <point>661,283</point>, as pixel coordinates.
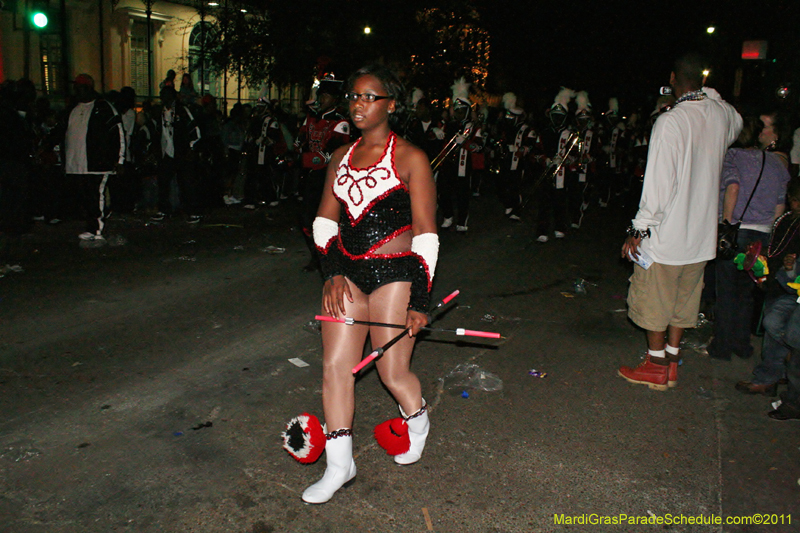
<point>625,48</point>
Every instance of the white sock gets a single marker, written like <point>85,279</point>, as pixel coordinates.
<point>672,350</point>
<point>661,354</point>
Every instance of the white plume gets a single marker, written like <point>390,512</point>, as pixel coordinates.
<point>509,100</point>
<point>416,95</point>
<point>564,96</point>
<point>461,90</point>
<point>582,99</point>
<point>613,105</point>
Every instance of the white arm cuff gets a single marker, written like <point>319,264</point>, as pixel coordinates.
<point>426,245</point>
<point>325,230</point>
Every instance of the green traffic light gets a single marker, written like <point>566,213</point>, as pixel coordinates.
<point>39,20</point>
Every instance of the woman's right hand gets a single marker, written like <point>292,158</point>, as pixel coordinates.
<point>333,294</point>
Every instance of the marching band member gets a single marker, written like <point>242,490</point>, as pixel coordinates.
<point>552,195</point>
<point>612,133</point>
<point>454,177</point>
<point>579,170</point>
<point>423,129</point>
<point>516,140</point>
<point>323,131</point>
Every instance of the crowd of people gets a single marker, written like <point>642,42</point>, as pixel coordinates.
<point>713,214</point>
<point>376,173</point>
<point>180,154</point>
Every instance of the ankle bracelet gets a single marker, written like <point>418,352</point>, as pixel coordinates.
<point>418,413</point>
<point>344,432</point>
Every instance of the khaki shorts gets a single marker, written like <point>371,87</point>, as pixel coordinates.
<point>665,295</point>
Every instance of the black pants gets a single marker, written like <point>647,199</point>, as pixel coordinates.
<point>125,189</point>
<point>576,191</point>
<point>15,214</point>
<point>92,199</point>
<point>552,207</point>
<point>260,184</point>
<point>454,190</point>
<point>169,169</point>
<point>509,183</point>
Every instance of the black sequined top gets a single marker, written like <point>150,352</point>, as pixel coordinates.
<point>378,209</point>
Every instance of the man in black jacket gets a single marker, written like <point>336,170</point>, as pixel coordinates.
<point>95,149</point>
<point>179,134</point>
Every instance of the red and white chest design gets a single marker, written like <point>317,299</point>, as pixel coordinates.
<point>361,188</point>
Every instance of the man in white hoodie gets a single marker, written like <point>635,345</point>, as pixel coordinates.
<point>676,224</point>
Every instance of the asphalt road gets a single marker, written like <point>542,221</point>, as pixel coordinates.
<point>145,386</point>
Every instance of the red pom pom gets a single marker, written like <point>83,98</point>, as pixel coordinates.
<point>392,436</point>
<point>304,438</point>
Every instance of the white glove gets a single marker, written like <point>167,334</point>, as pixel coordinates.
<point>439,132</point>
<point>460,139</point>
<point>512,148</point>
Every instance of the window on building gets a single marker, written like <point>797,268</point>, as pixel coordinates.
<point>140,64</point>
<point>52,75</point>
<point>202,41</point>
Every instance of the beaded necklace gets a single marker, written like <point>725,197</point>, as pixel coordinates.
<point>691,96</point>
<point>784,242</point>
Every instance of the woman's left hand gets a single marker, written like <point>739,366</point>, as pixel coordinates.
<point>416,321</point>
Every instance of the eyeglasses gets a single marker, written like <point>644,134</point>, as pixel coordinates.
<point>366,97</point>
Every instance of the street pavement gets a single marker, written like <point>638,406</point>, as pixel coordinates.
<point>145,385</point>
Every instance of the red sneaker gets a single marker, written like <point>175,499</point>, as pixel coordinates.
<point>672,374</point>
<point>654,375</point>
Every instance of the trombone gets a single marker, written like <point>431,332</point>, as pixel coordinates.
<point>450,147</point>
<point>553,171</point>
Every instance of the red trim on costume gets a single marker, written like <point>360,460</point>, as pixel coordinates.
<point>369,180</point>
<point>372,255</point>
<point>327,247</point>
<point>389,238</point>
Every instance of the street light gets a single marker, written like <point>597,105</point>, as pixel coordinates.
<point>39,17</point>
<point>710,30</point>
<point>706,72</point>
<point>367,30</point>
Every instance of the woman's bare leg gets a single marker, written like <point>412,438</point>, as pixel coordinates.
<point>343,347</point>
<point>389,304</point>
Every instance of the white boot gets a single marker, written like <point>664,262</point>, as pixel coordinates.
<point>418,427</point>
<point>340,472</point>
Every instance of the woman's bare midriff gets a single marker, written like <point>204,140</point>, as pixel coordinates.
<point>401,243</point>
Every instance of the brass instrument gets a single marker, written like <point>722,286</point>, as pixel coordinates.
<point>551,172</point>
<point>450,147</point>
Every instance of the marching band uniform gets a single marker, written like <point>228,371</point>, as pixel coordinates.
<point>264,142</point>
<point>612,134</point>
<point>516,141</point>
<point>454,177</point>
<point>323,131</point>
<point>423,129</point>
<point>552,196</point>
<point>578,180</point>
<point>477,152</point>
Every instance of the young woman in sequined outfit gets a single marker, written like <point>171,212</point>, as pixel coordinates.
<point>376,234</point>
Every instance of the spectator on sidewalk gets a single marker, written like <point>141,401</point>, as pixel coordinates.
<point>233,138</point>
<point>677,219</point>
<point>179,133</point>
<point>17,142</point>
<point>95,149</point>
<point>753,194</point>
<point>780,300</point>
